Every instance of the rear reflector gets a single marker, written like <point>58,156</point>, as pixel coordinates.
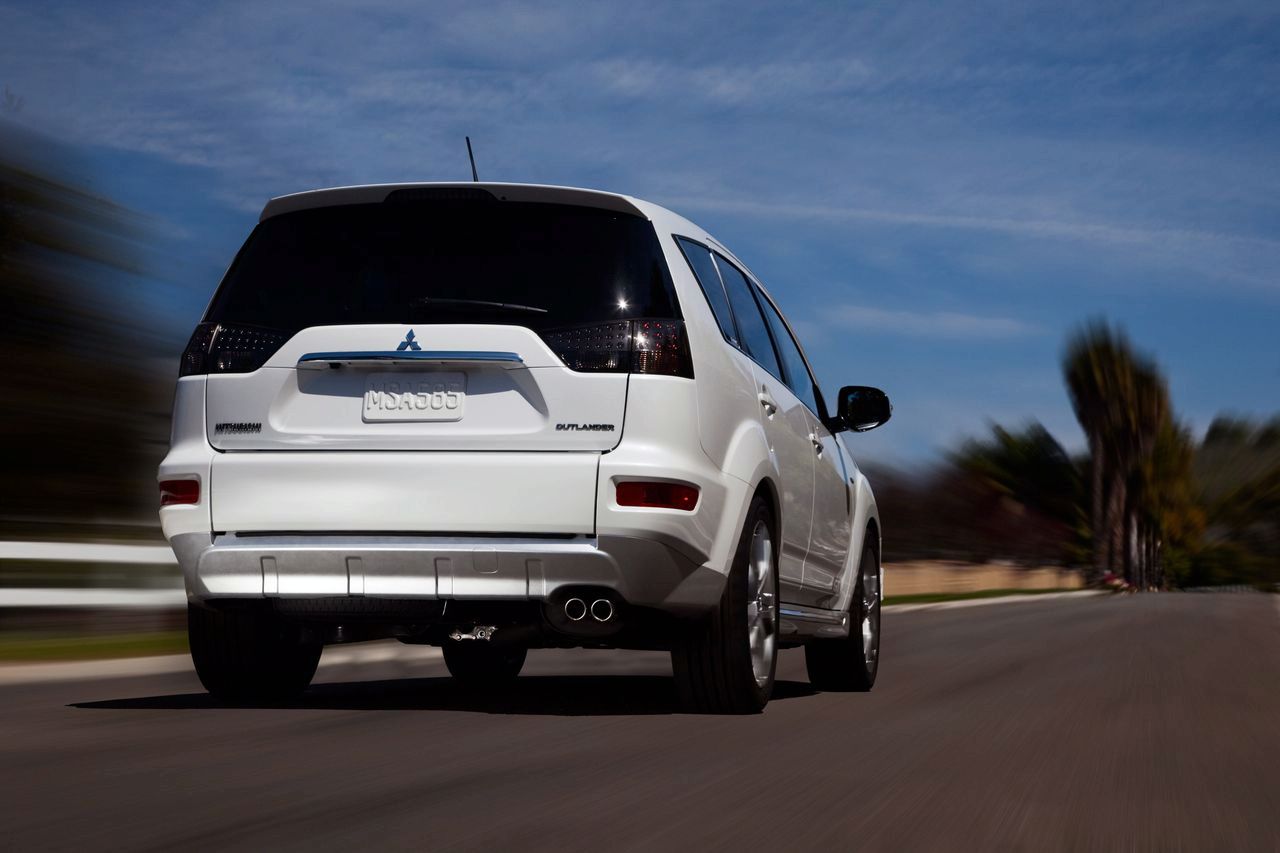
<point>174,492</point>
<point>662,495</point>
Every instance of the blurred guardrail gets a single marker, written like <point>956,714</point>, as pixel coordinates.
<point>55,589</point>
<point>89,552</point>
<point>119,575</point>
<point>76,598</point>
<point>110,575</point>
<point>84,573</point>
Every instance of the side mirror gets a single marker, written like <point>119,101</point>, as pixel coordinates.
<point>861,408</point>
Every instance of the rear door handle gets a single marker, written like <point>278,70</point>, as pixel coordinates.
<point>770,406</point>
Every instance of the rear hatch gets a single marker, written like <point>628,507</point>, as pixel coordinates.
<point>432,322</point>
<point>463,387</point>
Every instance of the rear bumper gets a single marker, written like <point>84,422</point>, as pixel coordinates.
<point>642,571</point>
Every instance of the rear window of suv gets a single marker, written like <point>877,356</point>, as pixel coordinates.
<point>544,266</point>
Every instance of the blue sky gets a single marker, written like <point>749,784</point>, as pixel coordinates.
<point>936,193</point>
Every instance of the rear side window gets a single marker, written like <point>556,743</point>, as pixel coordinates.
<point>798,378</point>
<point>699,258</point>
<point>544,266</point>
<point>751,324</point>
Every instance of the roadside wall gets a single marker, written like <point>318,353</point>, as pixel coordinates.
<point>915,578</point>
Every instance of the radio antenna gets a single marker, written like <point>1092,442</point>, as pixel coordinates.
<point>472,158</point>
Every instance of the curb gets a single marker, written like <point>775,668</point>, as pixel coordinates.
<point>1002,599</point>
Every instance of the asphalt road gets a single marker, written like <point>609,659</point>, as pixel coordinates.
<point>1138,723</point>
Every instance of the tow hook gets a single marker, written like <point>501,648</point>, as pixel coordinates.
<point>477,632</point>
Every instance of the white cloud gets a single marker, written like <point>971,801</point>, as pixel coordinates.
<point>1076,230</point>
<point>752,83</point>
<point>940,324</point>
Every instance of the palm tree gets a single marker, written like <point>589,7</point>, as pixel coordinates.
<point>1098,369</point>
<point>1140,459</point>
<point>1148,412</point>
<point>1173,514</point>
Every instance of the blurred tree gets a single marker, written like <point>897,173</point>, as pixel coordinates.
<point>1098,367</point>
<point>75,422</point>
<point>1029,469</point>
<point>1238,476</point>
<point>1140,460</point>
<point>1148,417</point>
<point>1172,520</point>
<point>1235,451</point>
<point>1014,495</point>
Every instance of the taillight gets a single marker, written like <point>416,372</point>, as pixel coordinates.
<point>229,348</point>
<point>624,346</point>
<point>659,346</point>
<point>661,495</point>
<point>174,492</point>
<point>600,347</point>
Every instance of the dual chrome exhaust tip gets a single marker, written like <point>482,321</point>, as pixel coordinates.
<point>576,609</point>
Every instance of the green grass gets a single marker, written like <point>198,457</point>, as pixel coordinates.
<point>932,597</point>
<point>43,647</point>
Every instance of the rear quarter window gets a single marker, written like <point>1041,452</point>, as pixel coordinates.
<point>754,333</point>
<point>704,269</point>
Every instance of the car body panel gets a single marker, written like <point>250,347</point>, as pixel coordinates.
<point>404,491</point>
<point>322,403</point>
<point>479,499</point>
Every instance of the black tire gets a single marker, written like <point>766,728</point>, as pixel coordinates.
<point>246,653</point>
<point>840,665</point>
<point>712,661</point>
<point>477,663</point>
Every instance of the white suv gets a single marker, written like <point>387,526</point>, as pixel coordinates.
<point>495,417</point>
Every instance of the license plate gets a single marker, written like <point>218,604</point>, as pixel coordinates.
<point>434,397</point>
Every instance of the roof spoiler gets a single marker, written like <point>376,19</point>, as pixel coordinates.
<point>376,193</point>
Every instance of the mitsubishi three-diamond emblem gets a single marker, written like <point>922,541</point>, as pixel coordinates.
<point>408,343</point>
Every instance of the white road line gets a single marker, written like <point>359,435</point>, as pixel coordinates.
<point>28,673</point>
<point>359,653</point>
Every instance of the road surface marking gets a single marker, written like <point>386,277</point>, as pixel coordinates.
<point>359,653</point>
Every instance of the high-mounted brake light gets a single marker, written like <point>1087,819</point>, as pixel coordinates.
<point>624,346</point>
<point>174,492</point>
<point>229,348</point>
<point>659,495</point>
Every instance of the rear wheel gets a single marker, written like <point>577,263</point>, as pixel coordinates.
<point>726,664</point>
<point>248,653</point>
<point>478,663</point>
<point>850,663</point>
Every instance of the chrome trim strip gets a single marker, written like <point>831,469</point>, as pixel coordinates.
<point>414,356</point>
<point>812,614</point>
<point>330,541</point>
<point>800,621</point>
